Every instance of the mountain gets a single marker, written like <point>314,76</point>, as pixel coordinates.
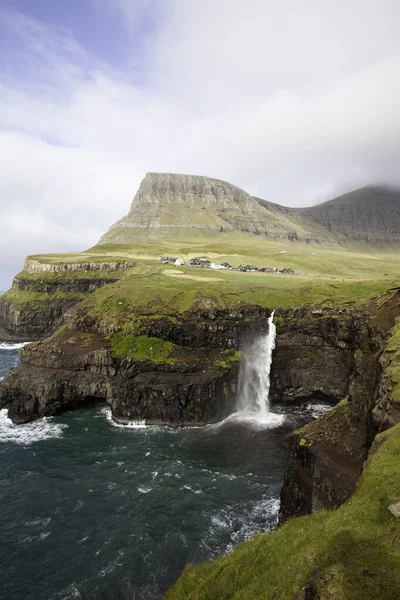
<point>370,214</point>
<point>190,206</point>
<point>168,204</point>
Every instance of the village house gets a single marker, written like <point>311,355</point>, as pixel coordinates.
<point>194,262</point>
<point>168,259</point>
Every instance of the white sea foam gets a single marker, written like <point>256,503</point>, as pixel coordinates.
<point>7,346</point>
<point>25,435</point>
<point>240,525</point>
<point>106,411</point>
<point>317,410</point>
<point>69,593</point>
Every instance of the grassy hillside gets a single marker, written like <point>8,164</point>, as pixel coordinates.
<point>352,553</point>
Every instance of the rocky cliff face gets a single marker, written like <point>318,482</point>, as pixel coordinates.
<point>43,295</point>
<point>194,382</point>
<point>74,368</point>
<point>33,320</point>
<point>327,456</point>
<point>315,353</point>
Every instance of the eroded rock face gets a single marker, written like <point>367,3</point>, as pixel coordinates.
<point>31,322</point>
<point>314,354</point>
<point>326,460</point>
<point>34,266</point>
<point>74,367</point>
<point>37,315</point>
<point>327,456</point>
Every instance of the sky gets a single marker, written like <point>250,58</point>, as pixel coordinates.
<point>295,102</point>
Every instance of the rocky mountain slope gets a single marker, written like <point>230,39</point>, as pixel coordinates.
<point>169,204</point>
<point>370,214</point>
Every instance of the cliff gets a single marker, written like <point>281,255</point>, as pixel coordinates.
<point>327,456</point>
<point>175,371</point>
<point>44,293</point>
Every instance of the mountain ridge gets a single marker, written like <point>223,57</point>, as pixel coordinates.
<point>171,204</point>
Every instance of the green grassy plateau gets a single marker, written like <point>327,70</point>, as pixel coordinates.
<point>150,288</point>
<point>320,273</point>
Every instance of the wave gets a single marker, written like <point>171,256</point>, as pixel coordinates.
<point>25,435</point>
<point>7,346</point>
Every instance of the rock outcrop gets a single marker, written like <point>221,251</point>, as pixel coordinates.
<point>33,320</point>
<point>75,368</point>
<point>315,353</point>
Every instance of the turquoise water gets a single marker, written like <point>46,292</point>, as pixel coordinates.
<point>92,510</point>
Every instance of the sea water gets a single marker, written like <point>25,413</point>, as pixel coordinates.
<point>92,510</point>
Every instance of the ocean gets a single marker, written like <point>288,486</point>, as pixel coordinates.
<point>94,510</point>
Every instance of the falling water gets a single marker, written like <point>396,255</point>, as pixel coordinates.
<point>254,380</point>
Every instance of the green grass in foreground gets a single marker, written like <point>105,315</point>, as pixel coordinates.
<point>353,553</point>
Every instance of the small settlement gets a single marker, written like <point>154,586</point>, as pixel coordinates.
<point>205,263</point>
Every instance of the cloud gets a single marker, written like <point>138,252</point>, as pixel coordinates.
<point>293,102</point>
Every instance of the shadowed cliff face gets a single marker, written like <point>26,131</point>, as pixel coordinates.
<point>186,370</point>
<point>314,354</point>
<point>170,373</point>
<point>327,456</point>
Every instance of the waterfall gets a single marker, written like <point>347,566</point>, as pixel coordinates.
<point>254,379</point>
